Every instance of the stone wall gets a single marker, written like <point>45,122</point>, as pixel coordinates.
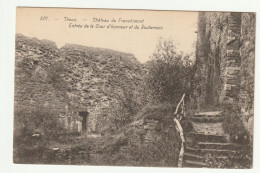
<point>233,59</point>
<point>147,132</point>
<point>34,90</point>
<point>32,82</point>
<point>97,80</point>
<point>247,53</point>
<point>209,72</point>
<point>222,44</point>
<point>73,78</point>
<point>224,66</point>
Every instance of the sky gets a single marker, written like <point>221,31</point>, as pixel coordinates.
<point>73,26</point>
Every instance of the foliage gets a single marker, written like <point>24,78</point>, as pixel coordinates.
<point>55,72</point>
<point>169,73</point>
<point>44,155</point>
<point>162,153</point>
<point>125,103</point>
<point>118,149</point>
<point>43,120</point>
<point>48,120</point>
<point>238,160</point>
<point>233,125</point>
<point>128,146</point>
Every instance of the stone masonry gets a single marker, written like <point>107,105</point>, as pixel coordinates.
<point>233,59</point>
<point>208,139</point>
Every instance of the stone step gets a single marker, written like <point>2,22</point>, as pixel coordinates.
<point>194,157</point>
<point>206,119</point>
<point>203,152</point>
<point>208,114</point>
<point>201,137</point>
<point>215,145</point>
<point>208,128</point>
<point>197,157</point>
<point>195,164</point>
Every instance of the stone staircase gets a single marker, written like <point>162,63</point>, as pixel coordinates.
<point>207,137</point>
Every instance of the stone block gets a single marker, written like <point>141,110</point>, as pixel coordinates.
<point>235,59</point>
<point>138,122</point>
<point>233,53</point>
<point>231,63</point>
<point>227,87</point>
<point>234,20</point>
<point>234,33</point>
<point>230,39</point>
<point>233,93</point>
<point>233,45</point>
<point>233,81</point>
<point>232,71</point>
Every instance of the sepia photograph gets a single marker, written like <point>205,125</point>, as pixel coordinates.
<point>137,88</point>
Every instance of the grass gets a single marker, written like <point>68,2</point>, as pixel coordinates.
<point>129,146</point>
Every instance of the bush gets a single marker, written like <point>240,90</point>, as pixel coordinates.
<point>239,160</point>
<point>169,73</point>
<point>55,75</point>
<point>163,151</point>
<point>42,120</point>
<point>48,120</point>
<point>233,124</point>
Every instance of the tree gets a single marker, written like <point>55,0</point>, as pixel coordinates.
<point>169,73</point>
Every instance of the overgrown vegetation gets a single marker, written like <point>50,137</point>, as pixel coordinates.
<point>82,76</point>
<point>56,75</point>
<point>239,136</point>
<point>233,124</point>
<point>43,120</point>
<point>126,91</point>
<point>125,103</point>
<point>238,160</point>
<point>168,73</point>
<point>127,147</point>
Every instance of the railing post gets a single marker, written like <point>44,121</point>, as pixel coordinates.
<point>180,130</point>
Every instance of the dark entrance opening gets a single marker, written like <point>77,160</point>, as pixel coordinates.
<point>84,115</point>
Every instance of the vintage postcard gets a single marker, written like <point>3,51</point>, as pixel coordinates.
<point>134,88</point>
